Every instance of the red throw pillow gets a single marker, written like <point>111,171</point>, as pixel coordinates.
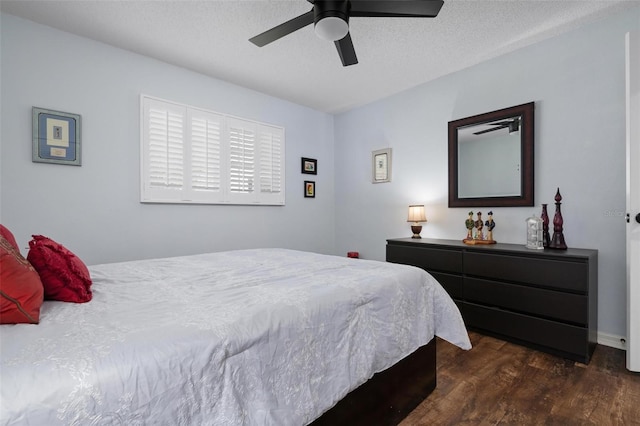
<point>9,236</point>
<point>64,276</point>
<point>20,287</point>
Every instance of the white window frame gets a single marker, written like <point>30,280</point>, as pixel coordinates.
<point>169,174</point>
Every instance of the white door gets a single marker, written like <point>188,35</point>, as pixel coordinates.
<point>633,199</point>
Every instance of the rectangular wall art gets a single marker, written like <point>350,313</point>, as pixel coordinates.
<point>56,137</point>
<point>381,165</point>
<point>309,189</point>
<point>309,166</point>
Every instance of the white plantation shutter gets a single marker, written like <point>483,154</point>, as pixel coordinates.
<point>242,157</point>
<point>190,155</point>
<point>205,154</point>
<point>165,148</point>
<point>163,152</point>
<point>271,157</point>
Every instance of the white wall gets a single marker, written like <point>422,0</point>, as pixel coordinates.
<point>94,209</point>
<point>577,83</point>
<point>576,80</point>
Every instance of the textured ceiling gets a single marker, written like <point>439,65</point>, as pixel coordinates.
<point>395,54</point>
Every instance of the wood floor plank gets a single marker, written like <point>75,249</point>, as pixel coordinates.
<point>500,383</point>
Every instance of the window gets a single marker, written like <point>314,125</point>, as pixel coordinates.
<point>190,155</point>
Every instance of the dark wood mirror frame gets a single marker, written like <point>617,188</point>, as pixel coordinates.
<point>526,112</point>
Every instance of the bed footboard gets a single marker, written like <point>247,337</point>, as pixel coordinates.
<point>390,395</point>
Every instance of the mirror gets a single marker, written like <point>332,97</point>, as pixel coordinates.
<point>491,159</point>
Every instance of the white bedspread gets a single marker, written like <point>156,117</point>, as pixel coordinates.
<point>251,337</point>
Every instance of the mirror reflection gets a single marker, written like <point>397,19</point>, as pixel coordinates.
<point>491,158</point>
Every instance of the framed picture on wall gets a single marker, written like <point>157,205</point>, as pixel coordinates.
<point>309,189</point>
<point>56,137</point>
<point>309,166</point>
<point>381,165</point>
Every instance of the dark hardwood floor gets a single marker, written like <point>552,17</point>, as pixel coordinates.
<point>499,383</point>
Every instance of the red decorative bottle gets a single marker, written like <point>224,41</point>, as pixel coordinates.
<point>557,242</point>
<point>546,239</point>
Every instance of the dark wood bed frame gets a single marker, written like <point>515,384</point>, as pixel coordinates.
<point>390,395</point>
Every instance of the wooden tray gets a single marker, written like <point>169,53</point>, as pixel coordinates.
<point>473,242</point>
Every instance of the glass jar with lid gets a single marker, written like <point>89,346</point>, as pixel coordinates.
<point>534,233</point>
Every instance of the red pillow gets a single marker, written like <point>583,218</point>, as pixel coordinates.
<point>9,237</point>
<point>64,276</point>
<point>20,287</point>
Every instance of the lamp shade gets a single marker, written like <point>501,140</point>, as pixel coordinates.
<point>416,213</point>
<point>331,28</point>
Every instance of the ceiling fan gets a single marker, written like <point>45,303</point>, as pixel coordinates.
<point>331,20</point>
<point>513,124</point>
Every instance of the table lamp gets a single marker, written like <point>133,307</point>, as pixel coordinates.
<point>416,215</point>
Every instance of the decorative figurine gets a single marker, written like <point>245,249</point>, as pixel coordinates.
<point>490,224</point>
<point>545,227</point>
<point>557,242</point>
<point>479,225</point>
<point>469,224</point>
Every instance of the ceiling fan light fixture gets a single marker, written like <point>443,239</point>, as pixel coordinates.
<point>331,28</point>
<point>331,20</point>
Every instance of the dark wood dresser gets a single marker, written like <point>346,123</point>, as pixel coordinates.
<point>545,299</point>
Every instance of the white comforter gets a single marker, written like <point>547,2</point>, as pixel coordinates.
<point>252,337</point>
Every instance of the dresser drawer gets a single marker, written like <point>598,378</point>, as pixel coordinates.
<point>428,259</point>
<point>566,338</point>
<point>451,283</point>
<point>566,307</point>
<point>566,275</point>
<point>545,299</point>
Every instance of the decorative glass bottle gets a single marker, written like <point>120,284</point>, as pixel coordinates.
<point>545,226</point>
<point>557,241</point>
<point>534,233</point>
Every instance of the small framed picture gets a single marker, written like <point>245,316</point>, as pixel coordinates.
<point>309,189</point>
<point>381,165</point>
<point>309,166</point>
<point>56,137</point>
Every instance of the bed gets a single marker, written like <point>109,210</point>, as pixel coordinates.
<point>246,337</point>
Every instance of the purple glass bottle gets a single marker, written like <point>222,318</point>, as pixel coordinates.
<point>557,242</point>
<point>546,239</point>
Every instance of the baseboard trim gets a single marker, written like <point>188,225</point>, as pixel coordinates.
<point>611,340</point>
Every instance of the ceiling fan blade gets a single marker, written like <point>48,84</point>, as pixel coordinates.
<point>395,8</point>
<point>283,29</point>
<point>346,51</point>
<point>491,130</point>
